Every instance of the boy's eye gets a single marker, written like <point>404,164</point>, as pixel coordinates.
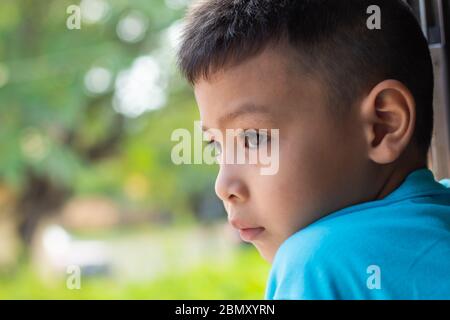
<point>254,139</point>
<point>216,147</point>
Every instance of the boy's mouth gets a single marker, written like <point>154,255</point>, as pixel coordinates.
<point>248,233</point>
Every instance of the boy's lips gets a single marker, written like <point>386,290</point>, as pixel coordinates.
<point>247,232</point>
<point>250,234</point>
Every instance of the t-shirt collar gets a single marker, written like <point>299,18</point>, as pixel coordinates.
<point>418,182</point>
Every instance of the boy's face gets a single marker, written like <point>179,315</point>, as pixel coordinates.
<point>322,164</point>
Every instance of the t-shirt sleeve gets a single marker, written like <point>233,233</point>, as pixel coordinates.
<point>319,265</point>
<point>305,272</point>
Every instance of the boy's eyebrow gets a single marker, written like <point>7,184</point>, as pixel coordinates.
<point>248,108</point>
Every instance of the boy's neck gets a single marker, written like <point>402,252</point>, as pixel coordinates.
<point>396,173</point>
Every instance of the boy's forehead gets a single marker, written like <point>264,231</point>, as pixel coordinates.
<point>265,86</point>
<point>276,66</point>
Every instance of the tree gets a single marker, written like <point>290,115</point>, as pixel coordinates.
<point>63,126</point>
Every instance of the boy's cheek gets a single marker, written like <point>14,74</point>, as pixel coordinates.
<point>286,214</point>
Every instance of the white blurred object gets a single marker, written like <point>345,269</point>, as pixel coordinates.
<point>140,88</point>
<point>132,27</point>
<point>62,251</point>
<point>93,11</point>
<point>98,80</point>
<point>174,34</point>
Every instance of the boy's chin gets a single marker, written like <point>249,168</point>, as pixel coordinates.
<point>266,251</point>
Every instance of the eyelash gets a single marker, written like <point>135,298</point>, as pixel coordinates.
<point>259,136</point>
<point>267,136</point>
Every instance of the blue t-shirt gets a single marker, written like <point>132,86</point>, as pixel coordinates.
<point>394,248</point>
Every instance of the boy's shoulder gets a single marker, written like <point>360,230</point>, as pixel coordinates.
<point>375,221</point>
<point>336,253</point>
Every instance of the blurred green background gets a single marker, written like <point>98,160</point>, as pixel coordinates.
<point>86,177</point>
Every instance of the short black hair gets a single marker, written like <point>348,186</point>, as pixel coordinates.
<point>332,39</point>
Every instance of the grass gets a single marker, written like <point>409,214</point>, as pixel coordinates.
<point>243,277</point>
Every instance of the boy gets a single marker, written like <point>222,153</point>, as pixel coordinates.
<point>353,212</point>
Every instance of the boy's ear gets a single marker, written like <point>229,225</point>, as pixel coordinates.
<point>388,118</point>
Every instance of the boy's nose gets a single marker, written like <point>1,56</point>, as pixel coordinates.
<point>230,186</point>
